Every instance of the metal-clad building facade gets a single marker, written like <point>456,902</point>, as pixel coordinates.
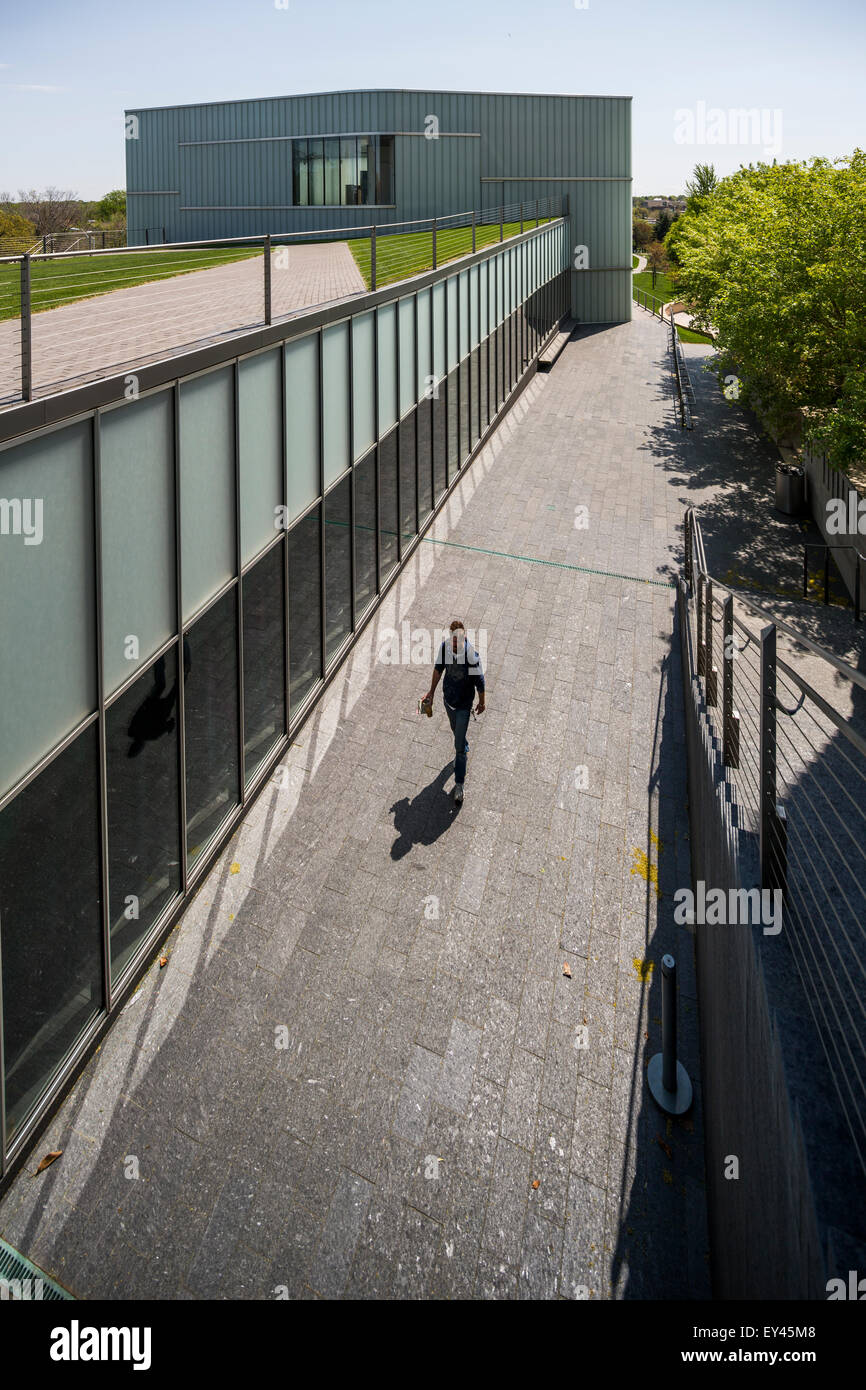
<point>225,170</point>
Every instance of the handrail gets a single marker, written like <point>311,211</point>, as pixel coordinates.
<point>841,666</point>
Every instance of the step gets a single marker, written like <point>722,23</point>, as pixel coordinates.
<point>553,349</point>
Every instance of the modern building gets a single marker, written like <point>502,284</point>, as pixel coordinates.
<point>350,159</point>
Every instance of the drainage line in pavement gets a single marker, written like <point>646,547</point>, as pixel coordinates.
<point>557,564</point>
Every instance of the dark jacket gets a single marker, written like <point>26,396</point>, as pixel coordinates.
<point>463,674</point>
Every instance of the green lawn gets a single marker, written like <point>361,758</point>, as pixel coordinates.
<point>688,335</point>
<point>634,262</point>
<point>408,253</point>
<point>81,277</point>
<point>663,289</point>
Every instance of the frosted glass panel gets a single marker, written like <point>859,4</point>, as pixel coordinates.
<point>261,451</point>
<point>138,596</point>
<point>451,291</point>
<point>500,289</point>
<point>335,386</point>
<point>473,306</point>
<point>207,487</point>
<point>364,383</point>
<point>483,274</point>
<point>425,361</point>
<point>439,366</point>
<point>47,588</point>
<point>463,290</point>
<point>408,363</point>
<point>302,422</point>
<point>387,367</point>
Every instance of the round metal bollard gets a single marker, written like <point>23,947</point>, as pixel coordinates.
<point>668,1079</point>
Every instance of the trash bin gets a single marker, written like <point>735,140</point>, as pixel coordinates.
<point>790,489</point>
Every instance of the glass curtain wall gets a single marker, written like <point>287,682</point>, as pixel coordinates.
<point>343,171</point>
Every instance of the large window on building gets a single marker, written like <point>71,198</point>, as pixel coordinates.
<point>343,171</point>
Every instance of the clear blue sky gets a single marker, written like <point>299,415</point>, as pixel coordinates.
<point>67,71</point>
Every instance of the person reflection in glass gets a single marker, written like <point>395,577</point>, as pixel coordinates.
<point>154,716</point>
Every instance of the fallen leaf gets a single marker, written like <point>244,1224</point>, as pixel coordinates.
<point>536,1185</point>
<point>163,961</point>
<point>566,969</point>
<point>49,1158</point>
<point>663,1145</point>
<point>235,868</point>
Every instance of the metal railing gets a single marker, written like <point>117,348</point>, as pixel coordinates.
<point>682,381</point>
<point>383,254</point>
<point>796,759</point>
<point>827,551</point>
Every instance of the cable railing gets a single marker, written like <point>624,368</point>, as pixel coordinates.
<point>682,381</point>
<point>40,352</point>
<point>794,750</point>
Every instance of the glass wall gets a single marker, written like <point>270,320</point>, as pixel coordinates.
<point>272,497</point>
<point>343,171</point>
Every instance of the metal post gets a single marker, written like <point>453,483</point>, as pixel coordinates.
<point>773,837</point>
<point>44,245</point>
<point>805,571</point>
<point>267,278</point>
<point>434,243</point>
<point>712,675</point>
<point>473,231</point>
<point>521,217</point>
<point>536,212</point>
<point>857,559</point>
<point>373,257</point>
<point>669,1082</point>
<point>826,574</point>
<point>688,546</point>
<point>700,634</point>
<point>501,223</point>
<point>26,331</point>
<point>730,717</point>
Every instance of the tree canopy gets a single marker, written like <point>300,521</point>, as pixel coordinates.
<point>773,259</point>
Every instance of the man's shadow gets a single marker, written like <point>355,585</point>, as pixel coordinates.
<point>425,817</point>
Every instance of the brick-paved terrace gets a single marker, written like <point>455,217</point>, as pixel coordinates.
<point>92,338</point>
<point>432,1127</point>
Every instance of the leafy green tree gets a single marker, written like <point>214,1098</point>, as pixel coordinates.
<point>656,259</point>
<point>642,234</point>
<point>774,259</point>
<point>16,233</point>
<point>112,208</point>
<point>700,186</point>
<point>663,226</point>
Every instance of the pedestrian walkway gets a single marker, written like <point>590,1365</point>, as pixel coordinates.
<point>128,328</point>
<point>399,1049</point>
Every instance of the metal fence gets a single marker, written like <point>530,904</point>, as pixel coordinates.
<point>682,381</point>
<point>40,355</point>
<point>795,751</point>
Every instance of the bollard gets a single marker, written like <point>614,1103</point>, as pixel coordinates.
<point>668,1079</point>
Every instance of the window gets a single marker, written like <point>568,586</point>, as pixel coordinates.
<point>211,716</point>
<point>343,171</point>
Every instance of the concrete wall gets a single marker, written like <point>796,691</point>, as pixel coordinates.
<point>225,170</point>
<point>764,1238</point>
<point>822,484</point>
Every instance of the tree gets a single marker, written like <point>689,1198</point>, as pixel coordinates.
<point>112,208</point>
<point>642,234</point>
<point>700,186</point>
<point>656,259</point>
<point>663,226</point>
<point>774,259</point>
<point>55,210</point>
<point>16,233</point>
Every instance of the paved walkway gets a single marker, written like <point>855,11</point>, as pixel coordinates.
<point>97,337</point>
<point>364,1071</point>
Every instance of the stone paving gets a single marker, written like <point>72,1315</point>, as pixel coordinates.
<point>364,1071</point>
<point>91,338</point>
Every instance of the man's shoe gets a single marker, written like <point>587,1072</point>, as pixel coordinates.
<point>458,792</point>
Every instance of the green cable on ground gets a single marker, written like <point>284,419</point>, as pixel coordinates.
<point>557,564</point>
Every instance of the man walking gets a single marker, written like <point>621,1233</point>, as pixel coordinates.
<point>463,676</point>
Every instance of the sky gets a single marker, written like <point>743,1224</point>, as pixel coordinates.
<point>67,72</point>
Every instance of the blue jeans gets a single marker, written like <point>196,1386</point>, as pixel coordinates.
<point>459,721</point>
